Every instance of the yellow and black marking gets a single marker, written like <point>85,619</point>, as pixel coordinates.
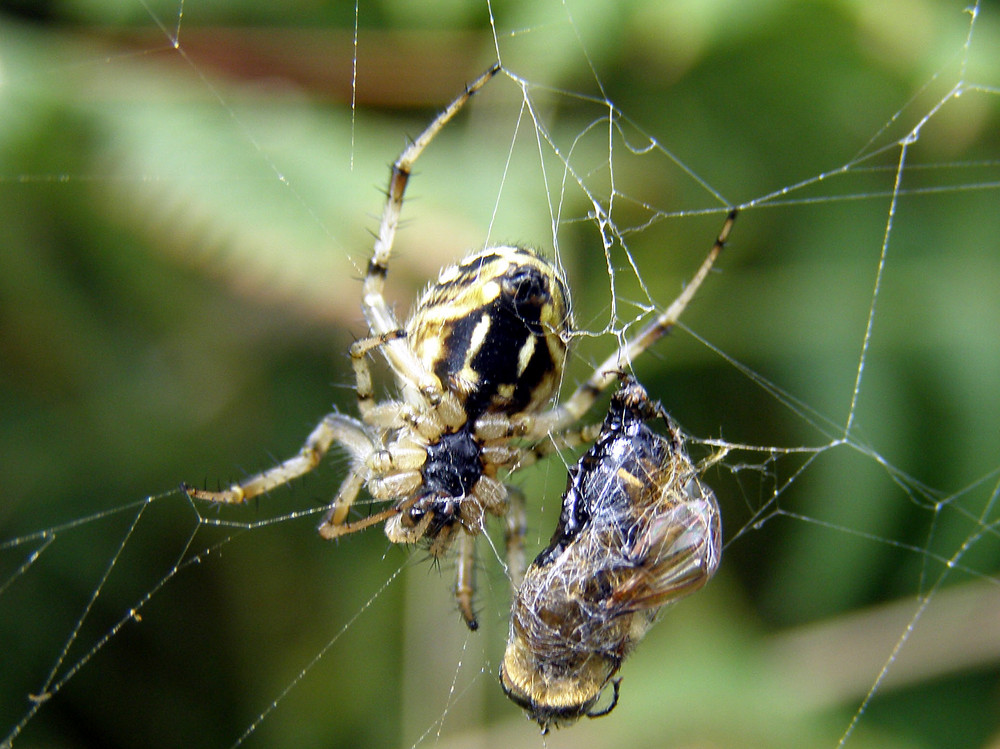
<point>494,329</point>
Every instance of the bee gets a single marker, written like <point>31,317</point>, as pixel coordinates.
<point>638,530</point>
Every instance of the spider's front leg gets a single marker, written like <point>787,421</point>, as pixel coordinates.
<point>560,417</point>
<point>380,317</point>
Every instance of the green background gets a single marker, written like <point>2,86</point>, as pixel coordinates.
<point>183,227</point>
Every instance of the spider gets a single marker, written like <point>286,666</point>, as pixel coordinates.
<point>478,365</point>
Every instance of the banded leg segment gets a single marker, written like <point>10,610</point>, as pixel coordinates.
<point>380,317</point>
<point>517,529</point>
<point>465,580</point>
<point>573,409</point>
<point>362,370</point>
<point>333,428</point>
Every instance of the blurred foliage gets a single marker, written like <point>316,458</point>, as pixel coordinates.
<point>187,200</point>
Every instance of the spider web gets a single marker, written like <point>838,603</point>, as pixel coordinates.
<point>186,202</point>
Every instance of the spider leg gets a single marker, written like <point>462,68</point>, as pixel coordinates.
<point>607,371</point>
<point>362,370</point>
<point>465,582</point>
<point>329,529</point>
<point>333,428</point>
<point>334,521</point>
<point>514,536</point>
<point>566,439</point>
<point>381,320</point>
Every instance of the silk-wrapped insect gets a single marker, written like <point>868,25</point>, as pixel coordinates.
<point>638,530</point>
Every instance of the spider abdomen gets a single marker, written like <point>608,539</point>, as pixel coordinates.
<point>494,330</point>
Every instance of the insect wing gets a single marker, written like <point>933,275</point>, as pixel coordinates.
<point>675,553</point>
